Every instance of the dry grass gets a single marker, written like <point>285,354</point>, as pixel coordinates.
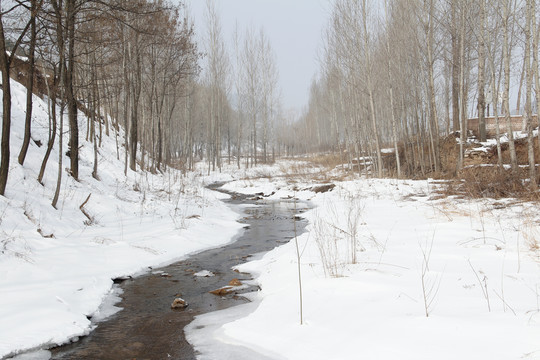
<point>480,178</point>
<point>522,152</point>
<point>296,169</point>
<point>449,209</point>
<point>530,232</point>
<point>318,169</point>
<point>491,182</point>
<point>328,161</point>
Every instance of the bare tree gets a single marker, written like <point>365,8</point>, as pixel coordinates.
<point>6,59</point>
<point>529,17</point>
<point>35,6</point>
<point>218,81</point>
<point>391,89</point>
<point>481,72</point>
<point>507,51</point>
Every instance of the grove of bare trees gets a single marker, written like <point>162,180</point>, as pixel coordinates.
<point>403,77</point>
<point>398,82</point>
<point>242,84</point>
<point>137,72</point>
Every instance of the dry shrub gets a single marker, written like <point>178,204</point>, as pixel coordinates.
<point>294,171</point>
<point>329,160</point>
<point>531,233</point>
<point>522,151</point>
<point>317,168</point>
<point>411,156</point>
<point>262,174</point>
<point>449,150</point>
<point>390,164</point>
<point>491,182</point>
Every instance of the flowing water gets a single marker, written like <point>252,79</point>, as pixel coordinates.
<point>147,327</point>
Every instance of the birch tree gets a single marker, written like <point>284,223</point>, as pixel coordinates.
<point>507,52</point>
<point>529,18</point>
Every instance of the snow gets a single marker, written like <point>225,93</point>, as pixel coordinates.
<point>374,307</point>
<point>505,139</point>
<point>36,355</point>
<point>370,248</point>
<point>204,273</point>
<point>108,307</point>
<point>52,284</point>
<point>23,58</point>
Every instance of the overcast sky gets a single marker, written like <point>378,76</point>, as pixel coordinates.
<point>294,28</point>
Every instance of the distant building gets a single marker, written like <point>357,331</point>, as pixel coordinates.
<point>517,124</point>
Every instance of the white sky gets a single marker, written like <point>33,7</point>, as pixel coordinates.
<point>294,28</point>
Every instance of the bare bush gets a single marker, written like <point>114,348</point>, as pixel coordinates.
<point>337,236</point>
<point>491,182</point>
<point>354,216</point>
<point>327,240</point>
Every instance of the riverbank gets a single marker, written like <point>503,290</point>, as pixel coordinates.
<point>147,327</point>
<point>58,265</point>
<point>390,269</point>
<point>52,286</point>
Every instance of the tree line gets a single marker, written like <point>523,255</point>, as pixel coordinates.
<point>402,74</point>
<point>137,71</point>
<point>243,101</point>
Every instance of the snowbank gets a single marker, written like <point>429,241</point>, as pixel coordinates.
<point>378,257</point>
<point>57,266</point>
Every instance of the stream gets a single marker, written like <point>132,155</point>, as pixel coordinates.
<point>147,327</point>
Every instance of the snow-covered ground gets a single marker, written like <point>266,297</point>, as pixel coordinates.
<point>56,268</point>
<point>377,257</point>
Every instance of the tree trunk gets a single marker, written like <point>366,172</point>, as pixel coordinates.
<point>519,94</point>
<point>6,114</point>
<point>60,157</point>
<point>528,93</point>
<point>536,29</point>
<point>127,99</point>
<point>434,121</point>
<point>137,86</point>
<point>93,118</point>
<point>481,71</point>
<point>455,67</point>
<point>370,91</point>
<point>51,99</point>
<point>70,91</point>
<point>506,92</point>
<point>30,85</point>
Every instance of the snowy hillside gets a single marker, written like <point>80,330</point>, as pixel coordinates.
<point>56,267</point>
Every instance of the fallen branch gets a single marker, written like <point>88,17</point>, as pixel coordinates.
<point>90,219</point>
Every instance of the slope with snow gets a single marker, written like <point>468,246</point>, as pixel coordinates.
<point>56,266</point>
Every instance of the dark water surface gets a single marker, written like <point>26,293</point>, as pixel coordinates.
<point>147,327</point>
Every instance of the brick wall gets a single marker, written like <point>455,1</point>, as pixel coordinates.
<point>517,123</point>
